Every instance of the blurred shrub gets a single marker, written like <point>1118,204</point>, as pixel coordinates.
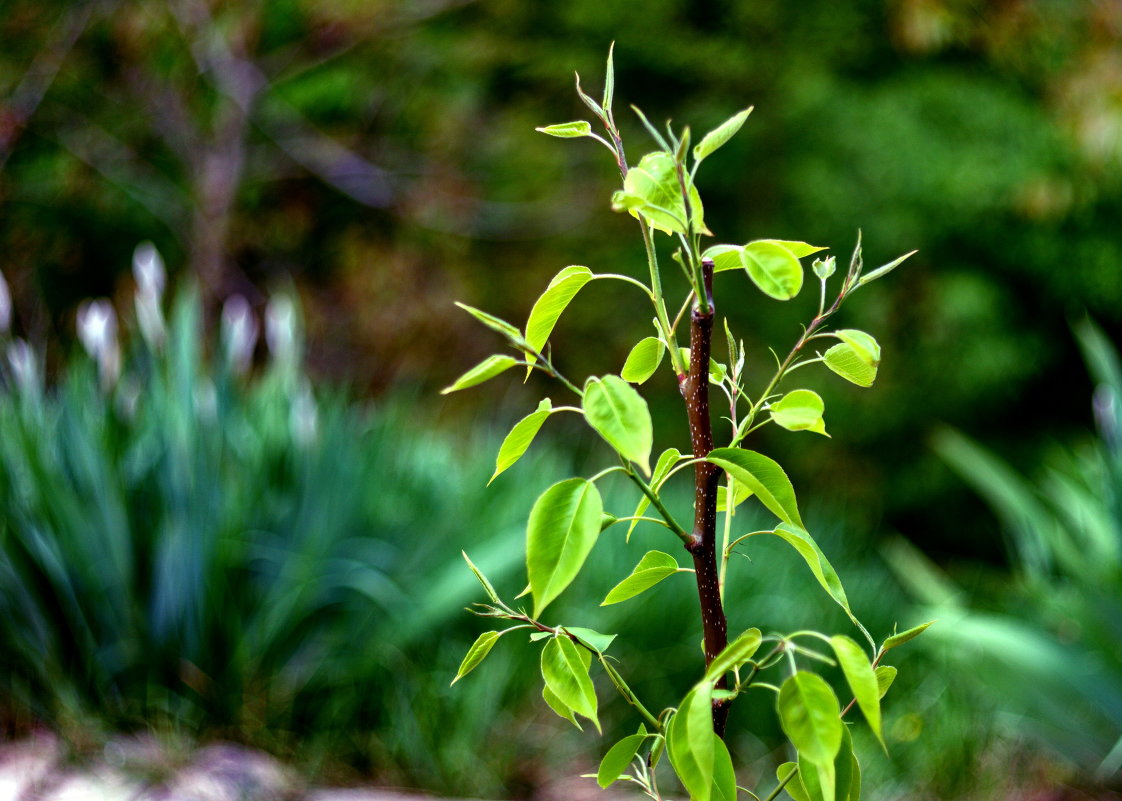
<point>1046,646</point>
<point>190,545</point>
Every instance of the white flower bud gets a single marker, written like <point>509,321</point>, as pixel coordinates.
<point>5,306</point>
<point>303,417</point>
<point>25,367</point>
<point>280,328</point>
<point>148,270</point>
<point>97,331</point>
<point>239,333</point>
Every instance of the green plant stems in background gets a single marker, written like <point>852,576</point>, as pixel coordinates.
<point>567,520</point>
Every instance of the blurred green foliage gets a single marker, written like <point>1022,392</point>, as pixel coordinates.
<point>1046,646</point>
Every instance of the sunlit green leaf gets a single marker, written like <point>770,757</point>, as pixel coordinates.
<point>652,568</point>
<point>764,477</point>
<point>547,308</point>
<point>884,270</point>
<point>486,369</point>
<point>856,358</point>
<point>643,360</point>
<point>724,776</point>
<point>609,78</point>
<point>735,654</point>
<point>773,269</point>
<point>799,410</point>
<point>593,639</point>
<point>518,440</point>
<point>481,578</point>
<point>724,257</point>
<point>566,675</point>
<point>690,741</point>
<point>720,135</point>
<point>562,711</point>
<point>620,415</point>
<point>563,527</point>
<point>617,759</point>
<point>794,787</point>
<point>477,653</point>
<point>819,780</point>
<point>567,130</point>
<point>897,640</point>
<point>769,263</point>
<point>666,461</point>
<point>651,190</point>
<point>797,249</point>
<point>861,679</point>
<point>824,268</point>
<point>808,712</point>
<point>717,371</point>
<point>494,323</point>
<point>740,494</point>
<point>886,674</point>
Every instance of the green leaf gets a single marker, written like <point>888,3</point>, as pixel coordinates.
<point>897,640</point>
<point>593,639</point>
<point>563,527</point>
<point>494,323</point>
<point>884,270</point>
<point>843,767</point>
<point>819,781</point>
<point>482,579</point>
<point>769,263</point>
<point>797,249</point>
<point>717,371</point>
<point>861,679</point>
<point>566,675</point>
<point>773,269</point>
<point>666,461</point>
<point>547,308</point>
<point>518,440</point>
<point>856,358</point>
<point>886,674</point>
<point>735,654</point>
<point>617,759</point>
<point>798,538</point>
<point>651,191</point>
<point>800,410</point>
<point>724,776</point>
<point>724,257</point>
<point>854,777</point>
<point>477,653</point>
<point>831,781</point>
<point>609,79</point>
<point>567,130</point>
<point>643,360</point>
<point>740,494</point>
<point>824,268</point>
<point>808,713</point>
<point>720,135</point>
<point>486,369</point>
<point>652,568</point>
<point>562,711</point>
<point>620,415</point>
<point>764,477</point>
<point>794,787</point>
<point>690,741</point>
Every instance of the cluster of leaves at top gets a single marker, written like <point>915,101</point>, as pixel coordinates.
<point>567,519</point>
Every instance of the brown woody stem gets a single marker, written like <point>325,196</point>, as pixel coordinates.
<point>702,544</point>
